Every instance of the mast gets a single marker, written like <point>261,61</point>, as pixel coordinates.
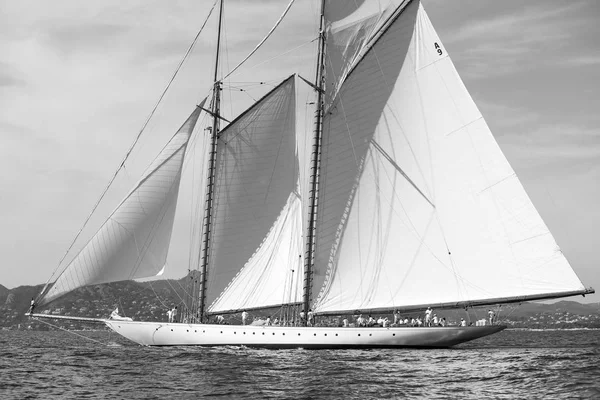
<point>310,238</point>
<point>211,175</point>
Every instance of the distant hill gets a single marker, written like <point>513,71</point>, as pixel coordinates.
<point>141,300</point>
<point>3,292</point>
<point>150,301</point>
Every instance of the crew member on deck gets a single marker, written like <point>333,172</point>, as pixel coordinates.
<point>428,316</point>
<point>244,317</point>
<point>31,306</point>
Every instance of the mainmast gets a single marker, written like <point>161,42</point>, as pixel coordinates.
<point>211,176</point>
<point>314,176</point>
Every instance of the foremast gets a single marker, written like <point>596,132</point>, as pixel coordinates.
<point>214,133</point>
<point>314,174</point>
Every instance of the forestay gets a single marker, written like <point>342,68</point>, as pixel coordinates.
<point>255,201</point>
<point>417,203</point>
<point>134,240</point>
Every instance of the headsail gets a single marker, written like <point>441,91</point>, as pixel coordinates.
<point>257,174</point>
<point>134,240</point>
<point>417,203</point>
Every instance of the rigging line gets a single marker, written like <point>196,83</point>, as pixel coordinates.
<point>157,296</point>
<point>133,144</point>
<point>282,54</point>
<point>68,331</point>
<point>264,39</point>
<point>399,169</point>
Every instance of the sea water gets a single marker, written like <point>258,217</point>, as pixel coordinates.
<point>514,364</point>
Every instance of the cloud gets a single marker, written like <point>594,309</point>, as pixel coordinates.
<point>509,43</point>
<point>83,36</point>
<point>8,80</point>
<point>582,61</point>
<point>555,147</point>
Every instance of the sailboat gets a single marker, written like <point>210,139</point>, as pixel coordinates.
<point>404,201</point>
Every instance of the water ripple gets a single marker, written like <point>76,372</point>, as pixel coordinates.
<point>512,364</point>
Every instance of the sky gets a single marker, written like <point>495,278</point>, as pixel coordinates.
<point>78,79</point>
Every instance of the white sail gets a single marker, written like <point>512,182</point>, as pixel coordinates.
<point>134,240</point>
<point>273,275</point>
<point>257,170</point>
<point>417,203</point>
<point>351,26</point>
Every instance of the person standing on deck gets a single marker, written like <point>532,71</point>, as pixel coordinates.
<point>170,315</point>
<point>31,306</point>
<point>174,314</point>
<point>244,317</point>
<point>491,316</point>
<point>428,316</point>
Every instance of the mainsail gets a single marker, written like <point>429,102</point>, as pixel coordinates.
<point>417,203</point>
<point>134,240</point>
<point>255,200</point>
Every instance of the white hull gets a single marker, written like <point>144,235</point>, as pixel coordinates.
<point>179,334</point>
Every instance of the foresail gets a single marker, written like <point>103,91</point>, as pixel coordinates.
<point>273,275</point>
<point>257,171</point>
<point>417,203</point>
<point>134,240</point>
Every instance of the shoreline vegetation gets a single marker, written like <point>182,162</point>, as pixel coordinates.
<point>150,301</point>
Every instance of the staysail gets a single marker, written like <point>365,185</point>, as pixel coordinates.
<point>255,200</point>
<point>417,203</point>
<point>134,240</point>
<point>273,275</point>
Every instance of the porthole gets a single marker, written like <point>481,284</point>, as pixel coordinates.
<point>315,334</point>
<point>298,334</point>
<point>336,334</point>
<point>325,334</point>
<point>359,334</point>
<point>393,334</point>
<point>221,331</point>
<point>273,333</point>
<point>263,333</point>
<point>171,330</point>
